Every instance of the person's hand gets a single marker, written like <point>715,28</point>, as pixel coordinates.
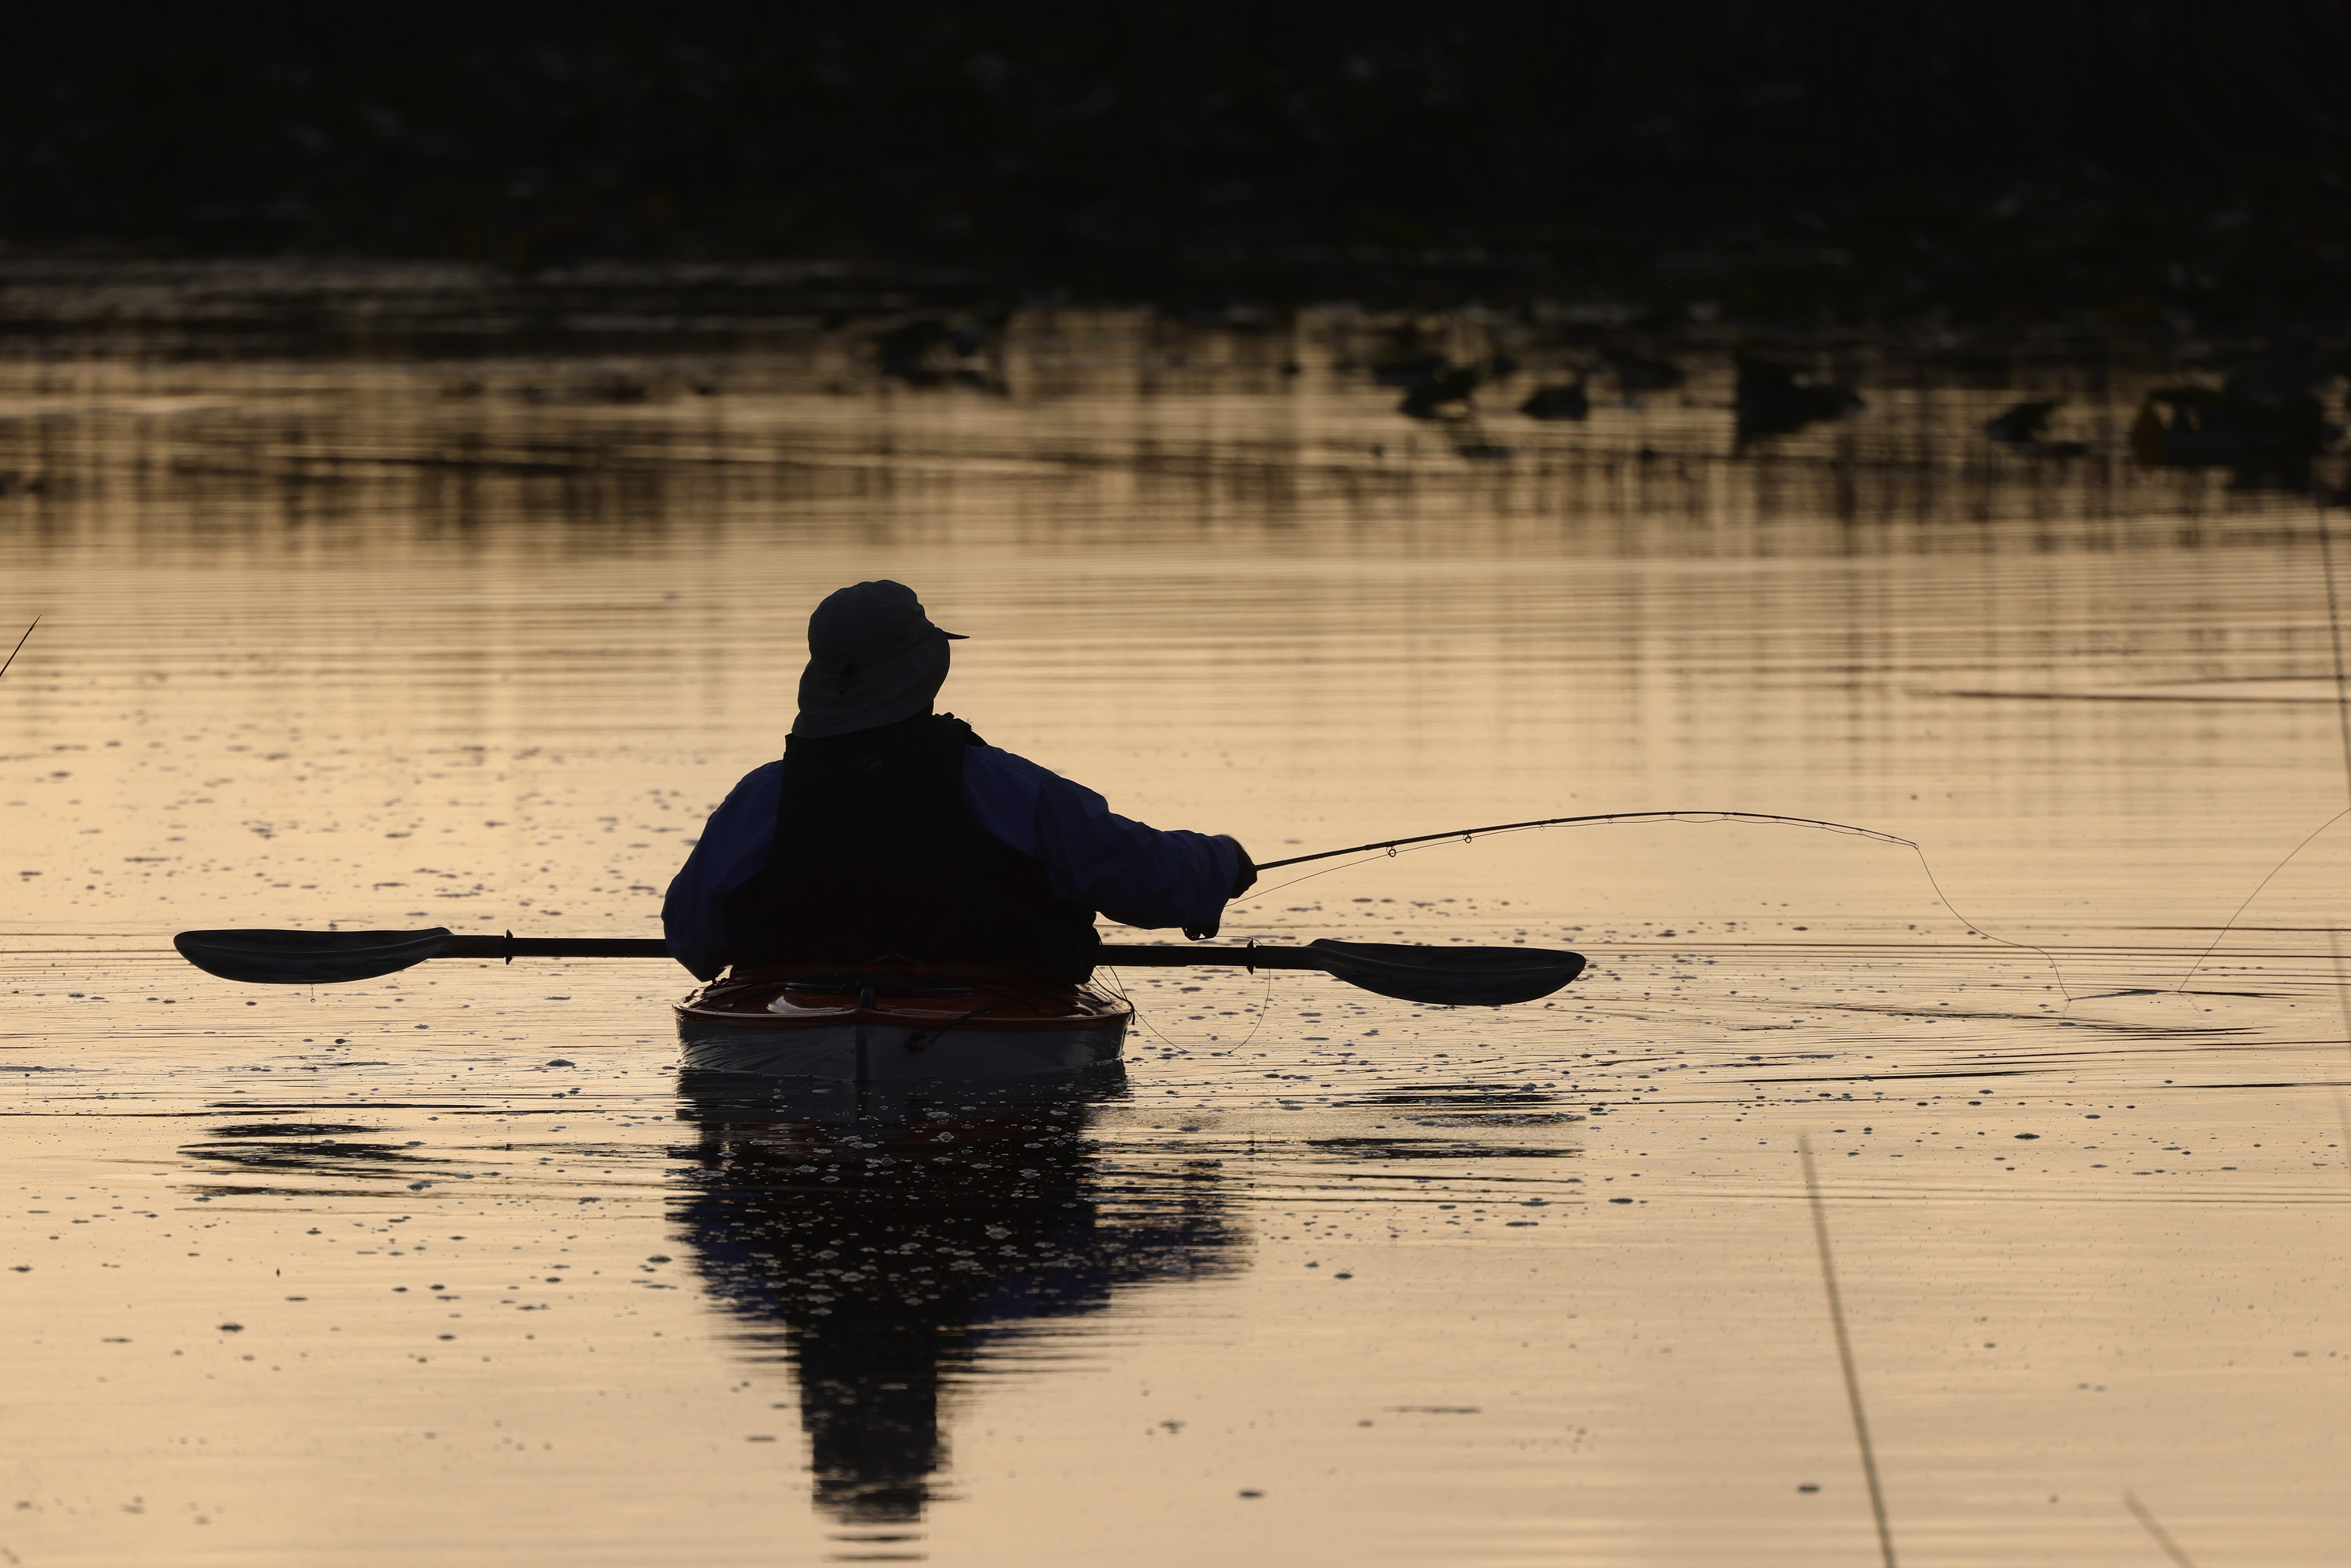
<point>1245,872</point>
<point>1244,878</point>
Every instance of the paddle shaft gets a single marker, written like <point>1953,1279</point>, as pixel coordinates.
<point>1132,954</point>
<point>553,947</point>
<point>1143,958</point>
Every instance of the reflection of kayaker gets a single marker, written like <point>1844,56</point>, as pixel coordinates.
<point>892,836</point>
<point>885,1255</point>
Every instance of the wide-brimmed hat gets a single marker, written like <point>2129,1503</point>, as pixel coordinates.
<point>874,658</point>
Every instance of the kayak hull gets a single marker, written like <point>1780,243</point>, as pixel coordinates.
<point>876,1054</point>
<point>879,1032</point>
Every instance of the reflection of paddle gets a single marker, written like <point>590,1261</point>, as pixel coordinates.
<point>1446,977</point>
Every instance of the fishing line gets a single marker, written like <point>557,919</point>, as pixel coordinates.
<point>1118,989</point>
<point>1265,1005</point>
<point>1391,848</point>
<point>1264,1010</point>
<point>2343,728</point>
<point>2231,924</point>
<point>37,621</point>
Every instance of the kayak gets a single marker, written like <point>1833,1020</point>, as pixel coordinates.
<point>882,1029</point>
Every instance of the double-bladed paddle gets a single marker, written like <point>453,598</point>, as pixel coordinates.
<point>1443,977</point>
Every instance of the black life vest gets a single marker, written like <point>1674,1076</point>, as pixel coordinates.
<point>876,856</point>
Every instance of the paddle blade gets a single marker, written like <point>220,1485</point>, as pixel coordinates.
<point>1450,976</point>
<point>307,957</point>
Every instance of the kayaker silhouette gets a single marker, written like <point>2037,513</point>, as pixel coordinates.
<point>892,832</point>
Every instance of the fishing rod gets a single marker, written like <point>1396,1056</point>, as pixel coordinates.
<point>1465,834</point>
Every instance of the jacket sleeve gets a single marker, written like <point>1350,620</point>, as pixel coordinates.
<point>1135,875</point>
<point>734,847</point>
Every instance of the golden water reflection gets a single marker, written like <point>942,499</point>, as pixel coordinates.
<point>477,638</point>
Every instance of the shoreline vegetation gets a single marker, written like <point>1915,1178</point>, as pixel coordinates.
<point>2085,168</point>
<point>1485,379</point>
<point>1490,383</point>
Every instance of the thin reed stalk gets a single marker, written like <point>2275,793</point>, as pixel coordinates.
<point>1844,1352</point>
<point>2343,728</point>
<point>19,647</point>
<point>2162,1537</point>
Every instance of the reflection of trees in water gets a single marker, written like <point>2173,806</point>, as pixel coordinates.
<point>887,1249</point>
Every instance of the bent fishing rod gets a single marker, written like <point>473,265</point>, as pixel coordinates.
<point>1465,834</point>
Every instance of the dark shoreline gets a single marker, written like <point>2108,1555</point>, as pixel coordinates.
<point>1992,168</point>
<point>93,301</point>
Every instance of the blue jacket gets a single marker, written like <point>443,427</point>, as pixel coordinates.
<point>1135,875</point>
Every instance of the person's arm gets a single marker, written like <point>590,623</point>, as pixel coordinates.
<point>1137,875</point>
<point>733,848</point>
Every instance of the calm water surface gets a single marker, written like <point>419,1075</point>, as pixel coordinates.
<point>454,1267</point>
